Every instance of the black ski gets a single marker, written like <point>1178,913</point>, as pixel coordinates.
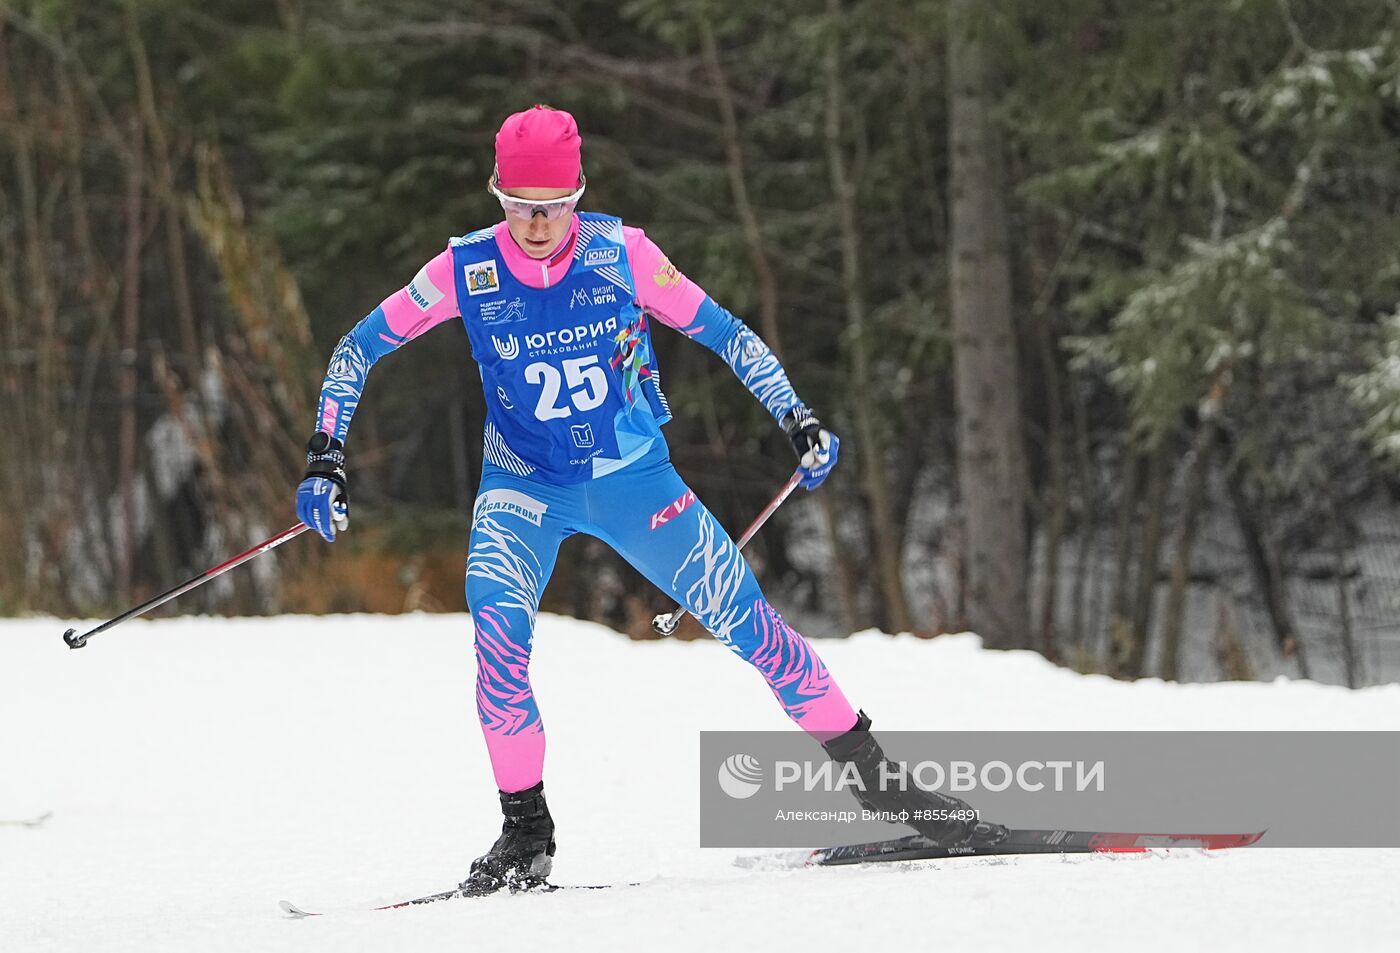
<point>456,893</point>
<point>913,847</point>
<point>1022,841</point>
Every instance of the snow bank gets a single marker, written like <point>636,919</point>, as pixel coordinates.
<point>201,769</point>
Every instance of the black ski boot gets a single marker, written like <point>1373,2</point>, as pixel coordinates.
<point>523,855</point>
<point>946,821</point>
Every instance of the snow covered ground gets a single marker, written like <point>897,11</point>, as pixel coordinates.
<point>199,770</point>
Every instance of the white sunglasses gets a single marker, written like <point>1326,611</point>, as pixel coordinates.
<point>553,209</point>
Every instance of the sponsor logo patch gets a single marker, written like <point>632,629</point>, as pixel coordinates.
<point>579,337</point>
<point>482,278</point>
<point>579,297</point>
<point>582,435</point>
<point>666,274</point>
<point>602,256</point>
<point>421,289</point>
<point>511,503</point>
<point>675,509</point>
<point>501,311</point>
<point>509,349</point>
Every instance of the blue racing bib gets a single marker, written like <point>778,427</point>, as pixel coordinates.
<point>568,371</point>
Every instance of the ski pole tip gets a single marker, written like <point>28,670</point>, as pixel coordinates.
<point>74,640</point>
<point>662,624</point>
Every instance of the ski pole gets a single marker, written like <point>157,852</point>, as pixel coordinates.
<point>78,641</point>
<point>665,623</point>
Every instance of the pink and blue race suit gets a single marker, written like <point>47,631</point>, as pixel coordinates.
<point>573,444</point>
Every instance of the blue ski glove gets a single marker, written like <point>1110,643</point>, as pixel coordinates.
<point>323,502</point>
<point>816,446</point>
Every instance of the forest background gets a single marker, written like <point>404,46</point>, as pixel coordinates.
<point>1100,296</point>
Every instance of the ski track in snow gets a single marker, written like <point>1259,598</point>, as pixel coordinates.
<point>200,770</point>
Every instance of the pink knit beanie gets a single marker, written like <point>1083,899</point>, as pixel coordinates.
<point>540,149</point>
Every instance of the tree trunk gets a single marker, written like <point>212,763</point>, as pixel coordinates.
<point>463,488</point>
<point>18,290</point>
<point>1145,600</point>
<point>1119,620</point>
<point>1230,655</point>
<point>1193,493</point>
<point>1348,640</point>
<point>1085,620</point>
<point>131,317</point>
<point>1055,443</point>
<point>169,199</point>
<point>738,183</point>
<point>991,455</point>
<point>847,575</point>
<point>1263,564</point>
<point>1054,525</point>
<point>1344,542</point>
<point>888,562</point>
<point>101,292</point>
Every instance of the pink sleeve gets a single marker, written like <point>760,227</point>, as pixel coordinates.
<point>424,303</point>
<point>661,289</point>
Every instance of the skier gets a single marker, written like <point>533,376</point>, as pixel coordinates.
<point>558,306</point>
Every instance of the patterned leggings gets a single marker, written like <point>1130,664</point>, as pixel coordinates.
<point>647,513</point>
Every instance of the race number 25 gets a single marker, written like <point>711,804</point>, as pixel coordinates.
<point>588,386</point>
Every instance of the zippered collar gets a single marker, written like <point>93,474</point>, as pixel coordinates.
<point>537,272</point>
